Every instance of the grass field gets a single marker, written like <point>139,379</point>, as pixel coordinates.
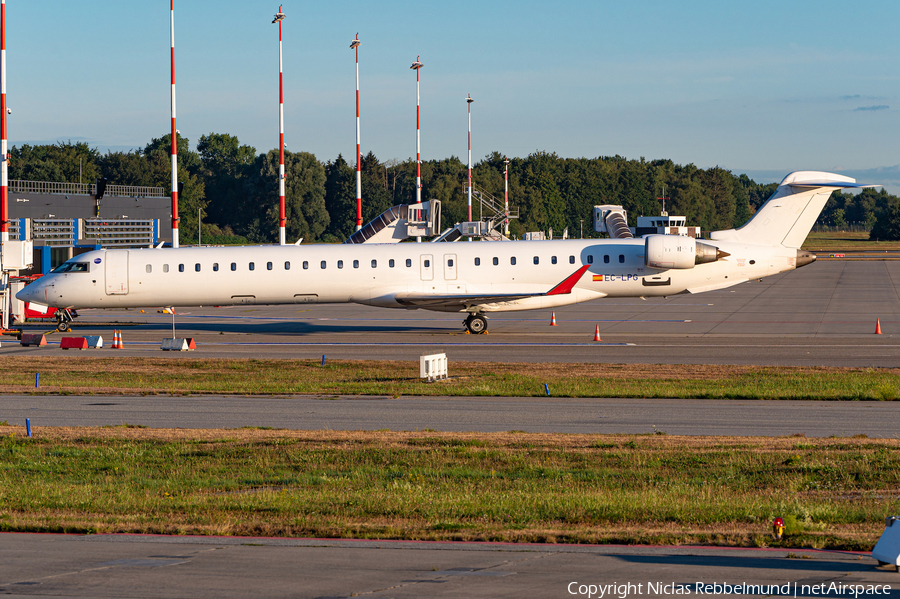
<point>65,375</point>
<point>844,241</point>
<point>832,493</point>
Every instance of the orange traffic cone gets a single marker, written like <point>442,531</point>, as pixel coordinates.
<point>553,319</point>
<point>121,343</point>
<point>877,326</point>
<point>116,343</point>
<point>597,333</point>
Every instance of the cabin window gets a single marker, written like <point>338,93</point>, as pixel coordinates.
<point>450,262</point>
<point>165,268</point>
<point>391,263</point>
<point>181,268</point>
<point>571,259</point>
<point>408,263</point>
<point>374,263</point>
<point>215,267</point>
<point>477,261</point>
<point>340,264</point>
<point>305,265</point>
<point>621,258</point>
<point>149,268</point>
<point>252,266</point>
<point>322,265</point>
<point>552,259</point>
<point>356,264</point>
<point>512,260</point>
<point>590,258</point>
<point>605,259</point>
<point>496,261</point>
<point>751,262</point>
<point>234,266</point>
<point>287,265</point>
<point>537,260</point>
<point>197,267</point>
<point>268,266</point>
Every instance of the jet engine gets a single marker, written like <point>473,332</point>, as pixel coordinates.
<point>677,251</point>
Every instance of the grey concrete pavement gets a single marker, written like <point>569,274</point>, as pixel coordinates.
<point>134,566</point>
<point>477,414</point>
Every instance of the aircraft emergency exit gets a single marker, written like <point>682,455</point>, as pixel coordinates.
<point>470,278</point>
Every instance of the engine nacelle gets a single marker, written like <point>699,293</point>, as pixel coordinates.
<point>677,251</point>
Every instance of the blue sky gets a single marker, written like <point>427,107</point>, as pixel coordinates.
<point>761,87</point>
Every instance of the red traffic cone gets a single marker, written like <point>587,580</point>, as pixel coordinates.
<point>597,333</point>
<point>877,326</point>
<point>553,319</point>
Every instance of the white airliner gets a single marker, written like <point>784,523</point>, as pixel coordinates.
<point>472,278</point>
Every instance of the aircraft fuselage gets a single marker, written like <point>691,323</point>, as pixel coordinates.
<point>378,274</point>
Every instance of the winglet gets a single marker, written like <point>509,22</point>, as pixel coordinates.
<point>566,286</point>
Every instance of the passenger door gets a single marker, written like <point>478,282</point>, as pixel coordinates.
<point>117,272</point>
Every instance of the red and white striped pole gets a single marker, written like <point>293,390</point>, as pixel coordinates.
<point>355,46</point>
<point>418,65</point>
<point>469,103</point>
<point>4,169</point>
<point>175,218</point>
<point>4,173</point>
<point>279,17</point>
<point>506,197</point>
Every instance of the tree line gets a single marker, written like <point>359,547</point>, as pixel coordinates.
<point>236,188</point>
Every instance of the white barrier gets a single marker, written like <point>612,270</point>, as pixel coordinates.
<point>94,341</point>
<point>433,367</point>
<point>887,549</point>
<point>178,344</point>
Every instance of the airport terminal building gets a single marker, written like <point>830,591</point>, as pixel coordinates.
<point>63,220</point>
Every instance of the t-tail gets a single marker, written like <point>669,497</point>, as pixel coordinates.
<point>789,215</point>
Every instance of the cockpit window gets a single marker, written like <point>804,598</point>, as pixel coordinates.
<point>72,267</point>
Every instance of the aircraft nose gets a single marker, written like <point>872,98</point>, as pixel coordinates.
<point>33,292</point>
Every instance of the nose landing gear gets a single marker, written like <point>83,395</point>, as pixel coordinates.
<point>476,324</point>
<point>63,318</point>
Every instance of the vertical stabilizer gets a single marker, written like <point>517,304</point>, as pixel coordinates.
<point>789,215</point>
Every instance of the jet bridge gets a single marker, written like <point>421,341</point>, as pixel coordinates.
<point>612,220</point>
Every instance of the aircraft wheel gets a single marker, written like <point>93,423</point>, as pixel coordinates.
<point>63,328</point>
<point>476,324</point>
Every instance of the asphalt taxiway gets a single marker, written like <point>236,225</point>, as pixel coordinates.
<point>126,566</point>
<point>823,314</point>
<point>463,414</point>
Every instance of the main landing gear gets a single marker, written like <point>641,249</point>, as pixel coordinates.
<point>63,318</point>
<point>476,324</point>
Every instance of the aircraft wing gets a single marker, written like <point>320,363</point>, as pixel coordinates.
<point>465,300</point>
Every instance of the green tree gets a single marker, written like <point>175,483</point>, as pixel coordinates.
<point>340,199</point>
<point>304,198</point>
<point>225,164</point>
<point>887,225</point>
<point>158,154</point>
<point>837,217</point>
<point>62,162</point>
